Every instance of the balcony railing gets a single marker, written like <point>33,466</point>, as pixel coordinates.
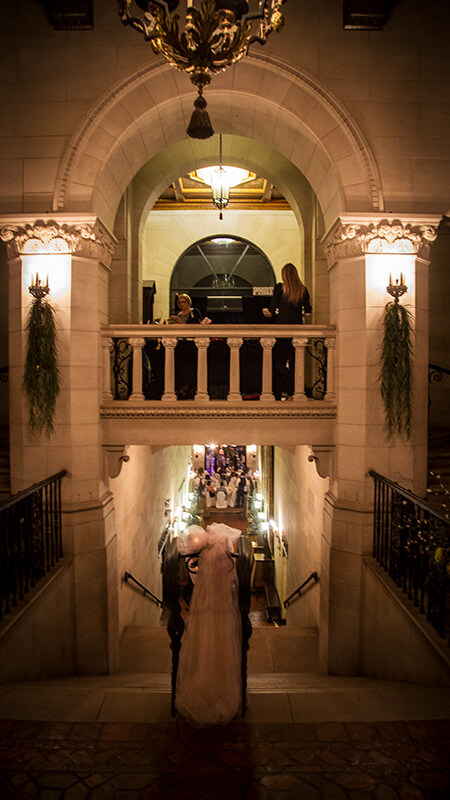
<point>166,364</point>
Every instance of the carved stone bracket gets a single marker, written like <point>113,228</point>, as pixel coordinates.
<point>323,457</point>
<point>354,237</point>
<point>87,239</point>
<point>115,456</point>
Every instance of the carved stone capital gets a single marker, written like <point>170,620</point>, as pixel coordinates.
<point>300,341</point>
<point>234,344</point>
<point>323,457</point>
<point>266,344</point>
<point>137,341</point>
<point>330,343</point>
<point>107,344</point>
<point>86,239</point>
<point>170,344</point>
<point>115,456</point>
<point>356,237</point>
<point>203,343</point>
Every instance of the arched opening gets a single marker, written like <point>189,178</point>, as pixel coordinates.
<point>225,277</point>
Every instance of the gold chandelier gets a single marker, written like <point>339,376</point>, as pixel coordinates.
<point>215,35</point>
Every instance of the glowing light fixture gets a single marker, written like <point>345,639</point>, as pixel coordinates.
<point>215,34</point>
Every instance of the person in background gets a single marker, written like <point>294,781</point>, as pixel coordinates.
<point>186,314</point>
<point>289,302</point>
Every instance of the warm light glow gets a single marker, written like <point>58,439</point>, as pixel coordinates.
<point>273,524</point>
<point>265,527</point>
<point>261,515</point>
<point>383,267</point>
<point>258,496</point>
<point>56,268</point>
<point>198,449</point>
<point>212,446</point>
<point>257,504</point>
<point>231,176</point>
<point>251,448</point>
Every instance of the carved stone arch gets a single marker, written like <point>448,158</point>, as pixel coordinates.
<point>260,99</point>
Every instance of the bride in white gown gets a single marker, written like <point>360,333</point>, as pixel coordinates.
<point>209,682</point>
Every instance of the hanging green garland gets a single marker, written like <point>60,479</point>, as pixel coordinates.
<point>396,369</point>
<point>41,376</point>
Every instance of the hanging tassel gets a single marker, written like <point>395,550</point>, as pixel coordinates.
<point>200,125</point>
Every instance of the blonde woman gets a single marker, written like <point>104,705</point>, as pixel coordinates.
<point>290,301</point>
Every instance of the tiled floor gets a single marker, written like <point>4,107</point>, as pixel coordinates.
<point>322,761</point>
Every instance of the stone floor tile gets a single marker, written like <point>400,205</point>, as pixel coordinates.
<point>442,726</point>
<point>5,727</point>
<point>420,729</point>
<point>103,792</point>
<point>408,792</point>
<point>331,791</point>
<point>392,730</point>
<point>28,729</point>
<point>78,791</point>
<point>301,732</point>
<point>55,730</point>
<point>430,780</point>
<point>281,781</point>
<point>56,780</point>
<point>361,730</point>
<point>355,780</point>
<point>384,792</point>
<point>153,792</point>
<point>116,731</point>
<point>85,731</point>
<point>331,731</point>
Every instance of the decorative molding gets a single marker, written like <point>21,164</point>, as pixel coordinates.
<point>126,411</point>
<point>358,236</point>
<point>86,239</point>
<point>115,457</point>
<point>323,457</point>
<point>155,69</point>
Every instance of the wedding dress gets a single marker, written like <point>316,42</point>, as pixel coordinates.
<point>209,682</point>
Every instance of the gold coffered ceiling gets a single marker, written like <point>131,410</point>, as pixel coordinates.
<point>190,192</point>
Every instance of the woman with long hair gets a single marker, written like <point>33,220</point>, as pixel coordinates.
<point>290,301</point>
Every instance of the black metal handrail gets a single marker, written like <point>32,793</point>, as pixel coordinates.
<point>30,539</point>
<point>436,372</point>
<point>314,576</point>
<point>146,592</point>
<point>411,542</point>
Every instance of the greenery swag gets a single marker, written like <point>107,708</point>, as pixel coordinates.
<point>396,369</point>
<point>41,378</point>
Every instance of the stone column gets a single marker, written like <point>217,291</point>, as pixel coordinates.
<point>107,347</point>
<point>362,252</point>
<point>202,395</point>
<point>137,345</point>
<point>267,345</point>
<point>299,386</point>
<point>75,252</point>
<point>169,395</point>
<point>234,395</point>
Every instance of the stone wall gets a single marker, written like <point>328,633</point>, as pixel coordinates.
<point>150,476</point>
<point>169,233</point>
<point>37,640</point>
<point>299,498</point>
<point>397,643</point>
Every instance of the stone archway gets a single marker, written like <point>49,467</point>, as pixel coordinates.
<point>259,99</point>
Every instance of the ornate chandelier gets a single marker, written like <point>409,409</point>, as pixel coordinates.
<point>215,35</point>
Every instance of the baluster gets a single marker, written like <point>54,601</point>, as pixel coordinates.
<point>299,385</point>
<point>107,347</point>
<point>267,345</point>
<point>169,369</point>
<point>202,395</point>
<point>137,345</point>
<point>330,395</point>
<point>234,395</point>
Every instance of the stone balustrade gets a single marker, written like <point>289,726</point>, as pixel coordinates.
<point>166,364</point>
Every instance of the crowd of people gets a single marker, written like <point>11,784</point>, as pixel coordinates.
<point>225,487</point>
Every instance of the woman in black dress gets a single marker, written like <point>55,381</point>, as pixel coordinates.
<point>290,301</point>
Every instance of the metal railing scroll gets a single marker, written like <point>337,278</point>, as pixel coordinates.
<point>411,542</point>
<point>30,539</point>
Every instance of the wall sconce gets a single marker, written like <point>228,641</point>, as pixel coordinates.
<point>397,289</point>
<point>261,515</point>
<point>257,504</point>
<point>38,289</point>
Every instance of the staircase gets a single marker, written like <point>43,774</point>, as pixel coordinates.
<point>439,469</point>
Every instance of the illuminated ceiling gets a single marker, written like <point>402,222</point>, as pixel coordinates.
<point>190,192</point>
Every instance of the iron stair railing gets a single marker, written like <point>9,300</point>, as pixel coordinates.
<point>411,542</point>
<point>313,577</point>
<point>146,592</point>
<point>30,539</point>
